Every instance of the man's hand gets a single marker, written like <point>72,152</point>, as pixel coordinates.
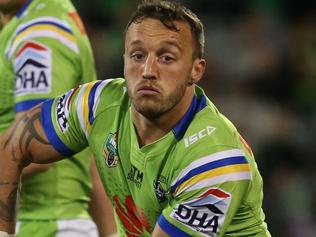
<point>5,234</point>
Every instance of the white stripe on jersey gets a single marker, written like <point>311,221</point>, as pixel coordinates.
<point>207,159</point>
<point>40,19</point>
<point>97,94</point>
<point>9,50</point>
<point>80,108</point>
<point>216,180</point>
<point>45,33</point>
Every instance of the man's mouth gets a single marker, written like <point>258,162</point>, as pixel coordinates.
<point>148,90</point>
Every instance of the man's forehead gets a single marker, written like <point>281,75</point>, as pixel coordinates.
<point>156,24</point>
<point>156,30</point>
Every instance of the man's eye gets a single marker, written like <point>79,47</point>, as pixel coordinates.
<point>167,59</point>
<point>137,56</point>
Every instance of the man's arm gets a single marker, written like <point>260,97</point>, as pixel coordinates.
<point>158,232</point>
<point>100,207</point>
<point>32,168</point>
<point>24,142</point>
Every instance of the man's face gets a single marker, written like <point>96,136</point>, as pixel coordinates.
<point>158,66</point>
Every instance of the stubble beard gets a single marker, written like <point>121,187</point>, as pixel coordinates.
<point>155,107</point>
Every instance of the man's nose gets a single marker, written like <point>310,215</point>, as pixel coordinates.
<point>150,67</point>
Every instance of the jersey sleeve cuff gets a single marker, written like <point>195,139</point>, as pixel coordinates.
<point>27,104</point>
<point>170,229</point>
<point>50,132</point>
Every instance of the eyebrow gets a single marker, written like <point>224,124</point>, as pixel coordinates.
<point>169,42</point>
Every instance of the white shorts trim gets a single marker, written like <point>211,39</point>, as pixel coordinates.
<point>76,228</point>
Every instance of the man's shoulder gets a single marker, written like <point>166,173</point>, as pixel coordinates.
<point>109,88</point>
<point>210,128</point>
<point>209,134</point>
<point>209,153</point>
<point>103,94</point>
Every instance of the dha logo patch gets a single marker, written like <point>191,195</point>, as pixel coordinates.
<point>110,151</point>
<point>206,214</point>
<point>33,65</point>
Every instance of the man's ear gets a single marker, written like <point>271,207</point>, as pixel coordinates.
<point>198,70</point>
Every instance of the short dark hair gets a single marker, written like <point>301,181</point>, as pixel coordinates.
<point>169,12</point>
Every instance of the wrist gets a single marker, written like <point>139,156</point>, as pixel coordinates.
<point>5,234</point>
<point>110,235</point>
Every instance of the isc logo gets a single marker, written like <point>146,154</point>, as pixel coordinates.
<point>196,136</point>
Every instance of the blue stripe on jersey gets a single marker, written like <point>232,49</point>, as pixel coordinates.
<point>170,229</point>
<point>197,105</point>
<point>211,165</point>
<point>45,23</point>
<point>20,12</point>
<point>91,101</point>
<point>27,104</point>
<point>50,132</point>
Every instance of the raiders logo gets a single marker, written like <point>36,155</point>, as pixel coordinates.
<point>160,191</point>
<point>110,150</point>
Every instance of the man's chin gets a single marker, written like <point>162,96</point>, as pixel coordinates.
<point>149,111</point>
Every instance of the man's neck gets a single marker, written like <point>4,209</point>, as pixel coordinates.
<point>151,130</point>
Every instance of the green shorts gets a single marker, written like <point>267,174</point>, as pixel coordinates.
<point>59,228</point>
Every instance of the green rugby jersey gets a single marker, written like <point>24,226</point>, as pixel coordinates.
<point>200,179</point>
<point>44,52</point>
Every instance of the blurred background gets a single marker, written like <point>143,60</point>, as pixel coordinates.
<point>261,74</point>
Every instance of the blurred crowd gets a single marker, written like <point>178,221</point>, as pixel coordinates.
<point>261,74</point>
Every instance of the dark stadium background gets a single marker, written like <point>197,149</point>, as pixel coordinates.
<point>261,73</point>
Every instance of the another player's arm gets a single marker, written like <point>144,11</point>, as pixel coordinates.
<point>24,142</point>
